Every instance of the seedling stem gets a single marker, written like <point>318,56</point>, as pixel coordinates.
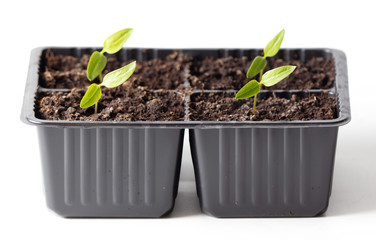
<point>98,62</point>
<point>270,78</point>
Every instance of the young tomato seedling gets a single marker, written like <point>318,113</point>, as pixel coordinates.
<point>98,62</point>
<point>270,78</point>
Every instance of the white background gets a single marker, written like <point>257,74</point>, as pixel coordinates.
<point>346,25</point>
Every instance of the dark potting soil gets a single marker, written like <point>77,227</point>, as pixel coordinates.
<point>135,100</point>
<point>67,72</point>
<point>230,73</point>
<point>64,71</point>
<point>125,103</point>
<point>224,107</point>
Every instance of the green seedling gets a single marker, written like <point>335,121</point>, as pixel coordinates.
<point>98,62</point>
<point>270,78</point>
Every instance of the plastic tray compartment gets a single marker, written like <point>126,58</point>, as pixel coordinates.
<point>270,169</point>
<point>104,169</point>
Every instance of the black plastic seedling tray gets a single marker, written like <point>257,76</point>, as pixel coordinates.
<point>243,169</point>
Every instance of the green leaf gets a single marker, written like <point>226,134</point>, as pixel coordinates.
<point>96,65</point>
<point>273,46</point>
<point>257,65</point>
<point>276,75</point>
<point>92,96</point>
<point>117,77</point>
<point>248,90</point>
<point>116,41</point>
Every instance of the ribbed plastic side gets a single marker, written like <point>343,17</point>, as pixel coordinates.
<point>111,172</point>
<point>261,172</point>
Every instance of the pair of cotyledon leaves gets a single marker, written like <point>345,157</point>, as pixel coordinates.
<point>111,80</point>
<point>271,77</point>
<point>98,62</point>
<point>111,45</point>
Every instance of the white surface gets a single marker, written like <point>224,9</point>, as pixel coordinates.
<point>346,25</point>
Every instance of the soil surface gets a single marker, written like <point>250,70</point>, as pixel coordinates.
<point>224,107</point>
<point>64,71</point>
<point>118,104</point>
<point>67,72</point>
<point>138,100</point>
<point>230,73</point>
